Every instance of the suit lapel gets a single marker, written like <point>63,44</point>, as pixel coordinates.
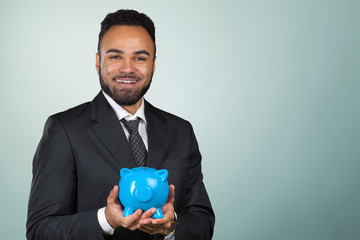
<point>110,133</point>
<point>157,137</point>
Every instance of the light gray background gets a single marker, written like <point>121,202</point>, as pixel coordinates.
<point>271,87</point>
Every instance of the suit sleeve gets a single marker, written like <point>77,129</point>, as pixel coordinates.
<point>52,210</point>
<point>196,220</point>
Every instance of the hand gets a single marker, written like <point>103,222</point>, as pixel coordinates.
<point>114,213</point>
<point>154,226</point>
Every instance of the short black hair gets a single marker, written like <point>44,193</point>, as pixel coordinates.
<point>128,18</point>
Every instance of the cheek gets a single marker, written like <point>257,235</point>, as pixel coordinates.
<point>146,70</point>
<point>108,69</point>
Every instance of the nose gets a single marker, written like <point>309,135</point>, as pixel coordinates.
<point>143,193</point>
<point>127,66</point>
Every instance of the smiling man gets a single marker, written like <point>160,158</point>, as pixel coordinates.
<point>126,64</point>
<point>74,192</point>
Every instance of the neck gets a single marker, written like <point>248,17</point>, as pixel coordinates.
<point>133,108</point>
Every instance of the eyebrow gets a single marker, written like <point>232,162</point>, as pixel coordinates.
<point>142,52</point>
<point>112,50</point>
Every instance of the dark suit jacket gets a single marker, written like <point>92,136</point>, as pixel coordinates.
<point>78,162</point>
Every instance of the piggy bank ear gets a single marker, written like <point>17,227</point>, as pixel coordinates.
<point>124,172</point>
<point>163,173</point>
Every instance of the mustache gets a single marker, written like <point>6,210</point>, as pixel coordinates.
<point>127,75</point>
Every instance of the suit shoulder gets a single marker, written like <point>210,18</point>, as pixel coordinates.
<point>73,113</point>
<point>168,118</point>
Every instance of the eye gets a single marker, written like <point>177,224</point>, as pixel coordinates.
<point>115,57</point>
<point>140,59</point>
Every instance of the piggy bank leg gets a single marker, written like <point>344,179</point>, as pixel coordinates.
<point>158,213</point>
<point>128,211</point>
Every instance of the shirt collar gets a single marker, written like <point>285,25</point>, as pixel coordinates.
<point>122,113</point>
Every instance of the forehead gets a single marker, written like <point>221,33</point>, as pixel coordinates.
<point>124,38</point>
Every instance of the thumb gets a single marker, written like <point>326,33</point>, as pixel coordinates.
<point>113,195</point>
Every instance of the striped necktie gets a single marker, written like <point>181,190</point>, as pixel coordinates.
<point>136,143</point>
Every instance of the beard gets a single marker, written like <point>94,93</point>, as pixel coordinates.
<point>124,97</point>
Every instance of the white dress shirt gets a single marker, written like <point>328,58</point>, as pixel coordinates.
<point>122,113</point>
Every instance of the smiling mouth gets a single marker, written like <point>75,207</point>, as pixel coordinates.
<point>126,81</point>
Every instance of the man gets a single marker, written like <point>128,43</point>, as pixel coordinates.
<point>79,157</point>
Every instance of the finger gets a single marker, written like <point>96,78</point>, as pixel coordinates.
<point>159,221</point>
<point>146,217</point>
<point>133,218</point>
<point>155,229</point>
<point>152,227</point>
<point>149,229</point>
<point>168,216</point>
<point>149,213</point>
<point>171,197</point>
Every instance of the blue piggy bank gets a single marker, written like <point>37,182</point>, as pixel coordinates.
<point>143,188</point>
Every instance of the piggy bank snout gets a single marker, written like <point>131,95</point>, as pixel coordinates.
<point>143,193</point>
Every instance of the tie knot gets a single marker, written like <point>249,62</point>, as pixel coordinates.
<point>132,125</point>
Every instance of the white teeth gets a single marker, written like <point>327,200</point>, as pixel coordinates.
<point>127,82</point>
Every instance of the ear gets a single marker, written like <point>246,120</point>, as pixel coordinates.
<point>124,172</point>
<point>163,173</point>
<point>97,64</point>
<point>153,70</point>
